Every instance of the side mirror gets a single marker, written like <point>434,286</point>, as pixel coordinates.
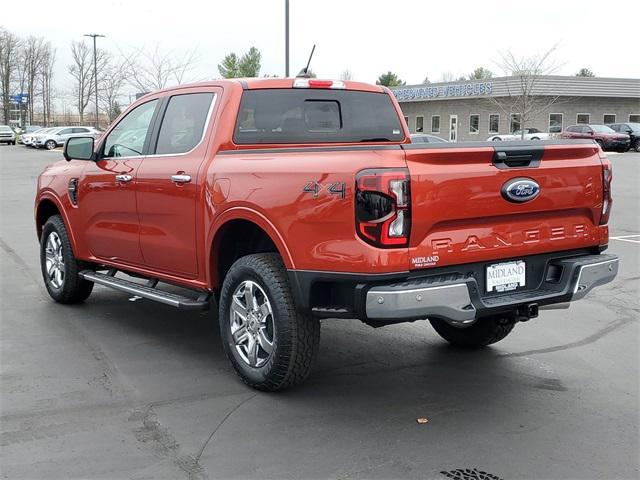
<point>78,148</point>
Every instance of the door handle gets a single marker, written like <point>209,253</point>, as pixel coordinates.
<point>180,178</point>
<point>124,178</point>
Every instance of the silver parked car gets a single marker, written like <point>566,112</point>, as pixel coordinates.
<point>56,137</point>
<point>7,135</point>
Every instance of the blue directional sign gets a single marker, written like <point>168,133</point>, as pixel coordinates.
<point>20,98</point>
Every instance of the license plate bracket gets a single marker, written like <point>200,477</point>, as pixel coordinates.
<point>506,276</point>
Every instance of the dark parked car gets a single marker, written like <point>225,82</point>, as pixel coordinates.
<point>630,128</point>
<point>607,138</point>
<point>424,138</point>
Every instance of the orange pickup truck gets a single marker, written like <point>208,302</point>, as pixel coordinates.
<point>286,201</point>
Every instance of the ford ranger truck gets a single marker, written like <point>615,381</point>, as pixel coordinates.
<point>288,201</point>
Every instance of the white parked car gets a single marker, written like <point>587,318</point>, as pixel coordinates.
<point>56,137</point>
<point>27,138</point>
<point>529,134</point>
<point>7,135</point>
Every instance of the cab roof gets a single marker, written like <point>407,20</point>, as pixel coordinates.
<point>271,83</point>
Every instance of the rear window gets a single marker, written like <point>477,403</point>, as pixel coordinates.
<point>316,116</point>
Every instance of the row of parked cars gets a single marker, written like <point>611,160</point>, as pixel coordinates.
<point>49,138</point>
<point>53,137</point>
<point>616,136</point>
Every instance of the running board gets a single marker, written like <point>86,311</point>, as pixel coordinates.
<point>146,291</point>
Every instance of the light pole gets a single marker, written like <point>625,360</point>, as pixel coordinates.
<point>286,38</point>
<point>95,69</point>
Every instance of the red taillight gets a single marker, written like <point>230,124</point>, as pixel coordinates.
<point>383,207</point>
<point>607,201</point>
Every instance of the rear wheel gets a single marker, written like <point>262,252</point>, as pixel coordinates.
<point>270,345</point>
<point>485,331</point>
<point>59,267</point>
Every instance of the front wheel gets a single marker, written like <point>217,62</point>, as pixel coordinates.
<point>270,345</point>
<point>636,146</point>
<point>483,332</point>
<point>59,266</point>
<point>50,145</point>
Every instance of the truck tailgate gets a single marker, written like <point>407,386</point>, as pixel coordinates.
<point>460,214</point>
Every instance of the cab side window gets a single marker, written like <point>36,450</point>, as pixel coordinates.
<point>128,137</point>
<point>183,123</point>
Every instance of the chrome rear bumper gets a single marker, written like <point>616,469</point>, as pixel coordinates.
<point>457,298</point>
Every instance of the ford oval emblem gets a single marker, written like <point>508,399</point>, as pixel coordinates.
<point>520,190</point>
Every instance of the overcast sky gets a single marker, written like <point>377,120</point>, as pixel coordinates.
<point>409,37</point>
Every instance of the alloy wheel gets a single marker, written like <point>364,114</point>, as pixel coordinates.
<point>252,324</point>
<point>54,260</point>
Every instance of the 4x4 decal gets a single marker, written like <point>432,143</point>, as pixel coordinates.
<point>337,188</point>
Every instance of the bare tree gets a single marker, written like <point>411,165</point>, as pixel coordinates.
<point>33,51</point>
<point>9,45</point>
<point>46,74</point>
<point>153,70</point>
<point>346,75</point>
<point>523,97</point>
<point>82,72</point>
<point>112,80</point>
<point>447,77</point>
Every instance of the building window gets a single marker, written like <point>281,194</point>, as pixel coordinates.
<point>555,122</point>
<point>634,118</point>
<point>419,124</point>
<point>608,118</point>
<point>494,123</point>
<point>515,123</point>
<point>583,118</point>
<point>474,124</point>
<point>435,123</point>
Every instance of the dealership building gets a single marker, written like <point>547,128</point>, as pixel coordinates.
<point>477,109</point>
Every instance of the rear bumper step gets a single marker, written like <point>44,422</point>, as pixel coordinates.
<point>148,292</point>
<point>458,301</point>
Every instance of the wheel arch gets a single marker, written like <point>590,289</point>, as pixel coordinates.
<point>238,232</point>
<point>47,206</point>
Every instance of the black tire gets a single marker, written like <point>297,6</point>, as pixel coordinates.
<point>599,142</point>
<point>50,144</point>
<point>636,146</point>
<point>295,336</point>
<point>72,289</point>
<point>485,331</point>
<point>496,139</point>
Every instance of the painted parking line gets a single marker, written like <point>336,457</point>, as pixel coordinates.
<point>627,238</point>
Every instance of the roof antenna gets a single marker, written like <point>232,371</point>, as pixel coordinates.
<point>304,73</point>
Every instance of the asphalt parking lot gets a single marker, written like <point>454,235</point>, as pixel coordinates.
<point>121,389</point>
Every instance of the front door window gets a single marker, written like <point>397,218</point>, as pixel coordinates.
<point>127,139</point>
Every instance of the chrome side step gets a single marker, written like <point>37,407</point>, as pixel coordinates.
<point>146,291</point>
